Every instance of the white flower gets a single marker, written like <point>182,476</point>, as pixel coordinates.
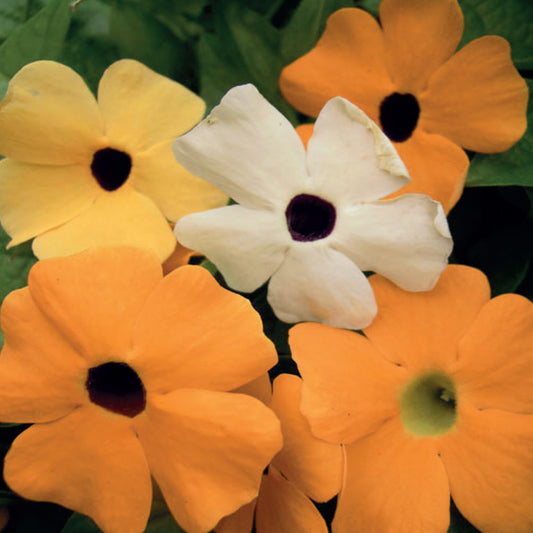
<point>310,221</point>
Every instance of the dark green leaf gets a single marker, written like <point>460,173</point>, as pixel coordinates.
<point>79,523</point>
<point>41,37</point>
<point>33,517</point>
<point>163,523</point>
<point>306,26</point>
<point>512,19</point>
<point>371,5</point>
<point>514,167</point>
<point>13,13</point>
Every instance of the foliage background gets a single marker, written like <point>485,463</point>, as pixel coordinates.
<point>212,45</point>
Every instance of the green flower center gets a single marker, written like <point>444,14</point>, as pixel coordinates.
<point>428,405</point>
<point>111,168</point>
<point>117,388</point>
<point>398,115</point>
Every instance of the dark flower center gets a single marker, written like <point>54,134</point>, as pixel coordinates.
<point>398,114</point>
<point>116,387</point>
<point>111,168</point>
<point>310,218</point>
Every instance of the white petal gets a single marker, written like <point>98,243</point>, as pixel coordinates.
<point>247,148</point>
<point>246,245</point>
<point>317,283</point>
<point>350,158</point>
<point>406,239</point>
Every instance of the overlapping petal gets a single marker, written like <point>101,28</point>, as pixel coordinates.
<point>89,461</point>
<point>247,148</point>
<point>241,521</point>
<point>207,451</point>
<point>49,117</point>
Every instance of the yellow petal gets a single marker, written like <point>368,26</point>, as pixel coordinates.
<point>177,192</point>
<point>50,117</point>
<point>241,521</point>
<point>37,198</point>
<point>120,218</point>
<point>142,108</point>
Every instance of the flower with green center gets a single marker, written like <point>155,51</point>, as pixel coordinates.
<point>435,401</point>
<point>80,173</point>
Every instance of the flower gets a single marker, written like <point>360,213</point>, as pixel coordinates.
<point>436,399</point>
<point>304,468</point>
<point>311,221</point>
<point>80,173</point>
<point>405,76</point>
<point>123,374</point>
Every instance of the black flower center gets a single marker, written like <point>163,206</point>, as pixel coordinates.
<point>116,387</point>
<point>111,168</point>
<point>310,218</point>
<point>398,114</point>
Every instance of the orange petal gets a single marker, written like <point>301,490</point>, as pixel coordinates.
<point>419,36</point>
<point>393,482</point>
<point>42,377</point>
<point>142,108</point>
<point>348,388</point>
<point>305,131</point>
<point>313,465</point>
<point>283,508</point>
<point>94,298</point>
<point>120,218</point>
<point>179,257</point>
<point>241,521</point>
<point>421,330</point>
<point>348,60</point>
<point>49,116</point>
<point>495,366</point>
<point>477,99</point>
<point>207,451</point>
<point>193,333</point>
<point>174,190</point>
<point>489,460</point>
<point>259,388</point>
<point>89,461</point>
<point>437,167</point>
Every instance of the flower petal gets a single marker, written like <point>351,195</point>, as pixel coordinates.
<point>207,451</point>
<point>241,521</point>
<point>41,375</point>
<point>246,245</point>
<point>94,298</point>
<point>173,189</point>
<point>393,482</point>
<point>313,465</point>
<point>419,37</point>
<point>192,333</point>
<point>89,461</point>
<point>259,388</point>
<point>121,218</point>
<point>489,460</point>
<point>350,157</point>
<point>495,366</point>
<point>437,167</point>
<point>247,148</point>
<point>179,257</point>
<point>283,508</point>
<point>142,108</point>
<point>477,99</point>
<point>348,61</point>
<point>422,330</point>
<point>49,116</point>
<point>320,284</point>
<point>34,199</point>
<point>406,240</point>
<point>349,389</point>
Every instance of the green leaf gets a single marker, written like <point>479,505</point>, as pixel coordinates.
<point>79,523</point>
<point>13,13</point>
<point>514,167</point>
<point>41,37</point>
<point>512,19</point>
<point>306,26</point>
<point>163,523</point>
<point>371,6</point>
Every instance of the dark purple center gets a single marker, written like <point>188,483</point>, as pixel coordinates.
<point>398,115</point>
<point>310,218</point>
<point>111,168</point>
<point>116,387</point>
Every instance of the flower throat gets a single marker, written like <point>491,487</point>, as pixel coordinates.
<point>111,168</point>
<point>398,115</point>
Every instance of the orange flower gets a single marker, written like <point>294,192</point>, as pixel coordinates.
<point>405,76</point>
<point>437,399</point>
<point>306,467</point>
<point>123,374</point>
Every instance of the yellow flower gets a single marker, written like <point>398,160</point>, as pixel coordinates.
<point>80,173</point>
